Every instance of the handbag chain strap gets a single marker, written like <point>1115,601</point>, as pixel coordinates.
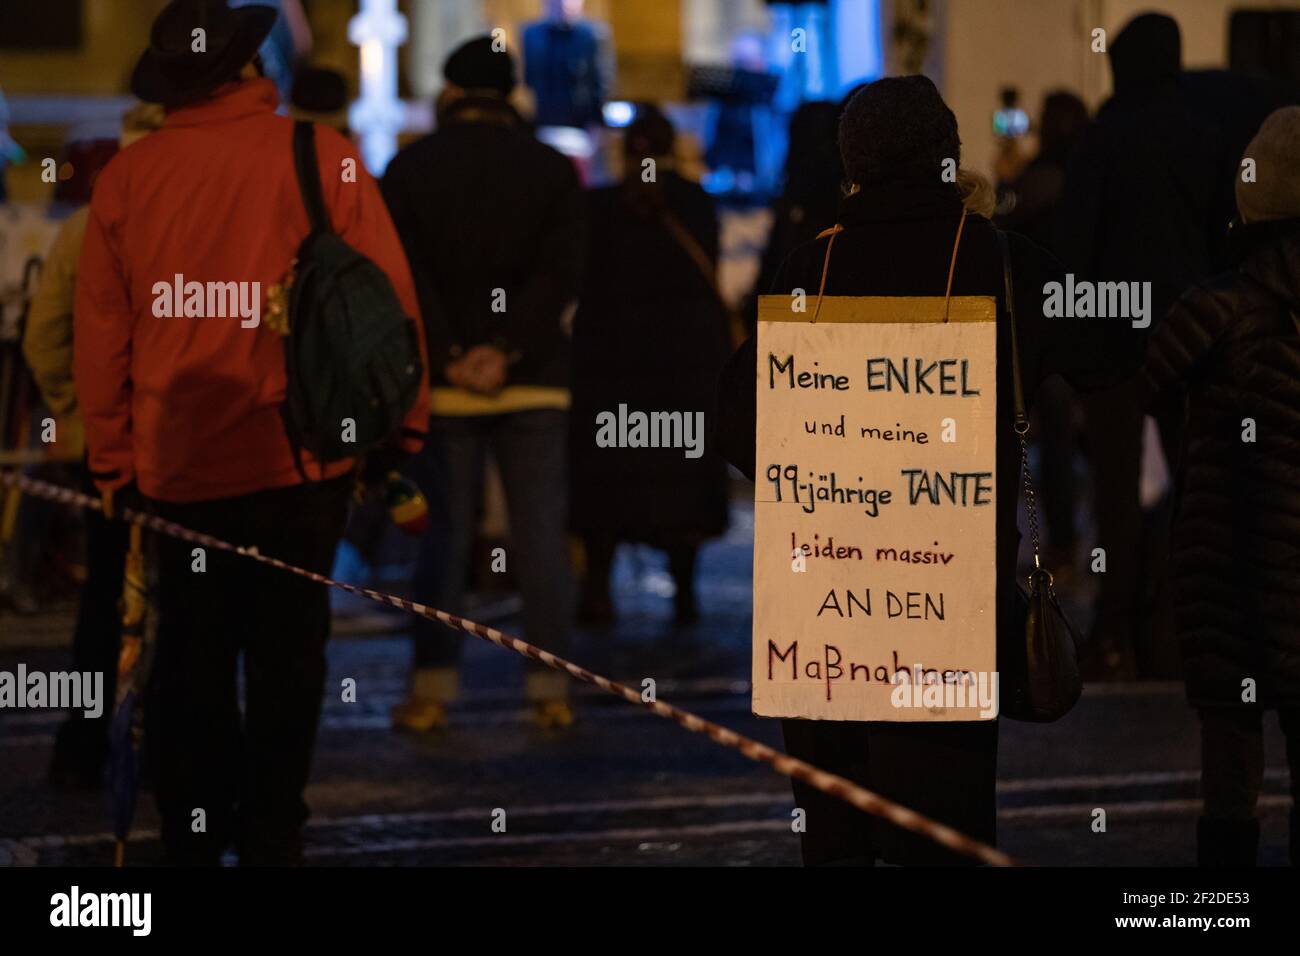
<point>1022,419</point>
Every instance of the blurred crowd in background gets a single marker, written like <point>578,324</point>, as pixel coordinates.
<point>614,297</point>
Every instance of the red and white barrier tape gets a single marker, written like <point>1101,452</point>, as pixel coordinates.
<point>784,764</point>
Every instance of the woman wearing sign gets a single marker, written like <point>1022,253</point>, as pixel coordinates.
<point>904,230</point>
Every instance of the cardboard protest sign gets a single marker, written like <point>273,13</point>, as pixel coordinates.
<point>874,518</point>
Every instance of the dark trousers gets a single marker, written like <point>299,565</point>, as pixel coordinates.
<point>682,551</point>
<point>246,776</point>
<point>529,450</point>
<point>1114,420</point>
<point>947,771</point>
<point>1058,486</point>
<point>1133,625</point>
<point>82,745</point>
<point>1232,778</point>
<point>1232,759</point>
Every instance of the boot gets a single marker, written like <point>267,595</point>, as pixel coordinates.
<point>681,565</point>
<point>685,609</point>
<point>553,714</point>
<point>425,707</point>
<point>548,692</point>
<point>419,716</point>
<point>1228,843</point>
<point>595,605</point>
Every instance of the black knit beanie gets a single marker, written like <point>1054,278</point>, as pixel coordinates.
<point>476,66</point>
<point>898,127</point>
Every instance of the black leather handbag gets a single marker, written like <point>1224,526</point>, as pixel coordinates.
<point>1038,668</point>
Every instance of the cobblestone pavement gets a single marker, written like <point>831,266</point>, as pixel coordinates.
<point>623,787</point>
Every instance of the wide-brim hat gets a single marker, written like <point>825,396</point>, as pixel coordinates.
<point>171,71</point>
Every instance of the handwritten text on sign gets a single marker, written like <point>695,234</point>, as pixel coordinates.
<point>875,534</point>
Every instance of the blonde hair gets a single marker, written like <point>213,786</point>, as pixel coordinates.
<point>139,121</point>
<point>977,193</point>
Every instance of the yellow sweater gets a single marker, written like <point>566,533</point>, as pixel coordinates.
<point>47,340</point>
<point>459,402</point>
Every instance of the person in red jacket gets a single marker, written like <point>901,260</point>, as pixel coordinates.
<point>180,385</point>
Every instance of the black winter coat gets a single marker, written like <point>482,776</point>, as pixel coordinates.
<point>1148,193</point>
<point>1230,348</point>
<point>481,205</point>
<point>897,241</point>
<point>650,333</point>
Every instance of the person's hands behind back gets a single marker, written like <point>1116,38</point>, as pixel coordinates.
<point>482,369</point>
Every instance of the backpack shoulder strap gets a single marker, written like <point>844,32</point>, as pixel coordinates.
<point>308,169</point>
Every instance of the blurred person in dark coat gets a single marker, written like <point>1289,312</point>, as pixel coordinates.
<point>492,223</point>
<point>814,185</point>
<point>1227,358</point>
<point>899,225</point>
<point>1032,202</point>
<point>568,64</point>
<point>1142,203</point>
<point>1033,197</point>
<point>650,334</point>
<point>1236,103</point>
